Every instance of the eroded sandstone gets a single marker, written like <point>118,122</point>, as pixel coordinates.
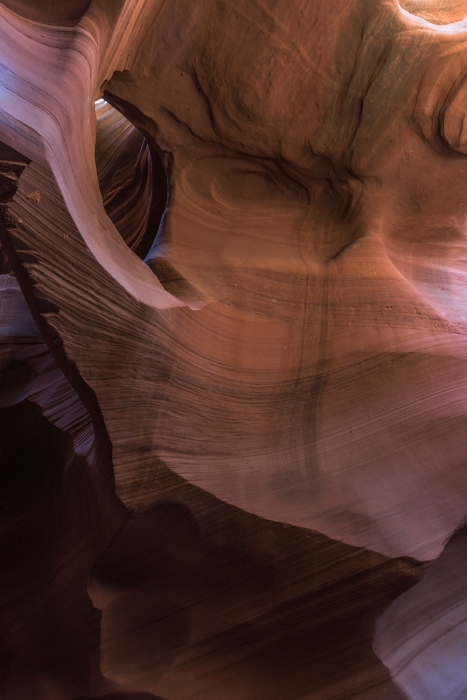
<point>252,296</point>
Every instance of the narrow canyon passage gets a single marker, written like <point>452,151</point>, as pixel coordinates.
<point>233,350</point>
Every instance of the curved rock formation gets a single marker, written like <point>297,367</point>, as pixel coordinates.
<point>49,11</point>
<point>248,269</point>
<point>181,586</point>
<point>421,638</point>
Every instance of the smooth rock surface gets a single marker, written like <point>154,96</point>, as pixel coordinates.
<point>422,637</point>
<point>248,309</point>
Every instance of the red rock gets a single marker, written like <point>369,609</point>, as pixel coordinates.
<point>293,345</point>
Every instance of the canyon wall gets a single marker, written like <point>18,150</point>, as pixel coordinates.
<point>233,358</point>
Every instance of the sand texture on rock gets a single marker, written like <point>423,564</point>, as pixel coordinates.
<point>233,295</point>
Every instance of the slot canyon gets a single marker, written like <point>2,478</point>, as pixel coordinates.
<point>233,349</point>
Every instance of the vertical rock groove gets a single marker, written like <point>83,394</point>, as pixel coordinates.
<point>233,349</point>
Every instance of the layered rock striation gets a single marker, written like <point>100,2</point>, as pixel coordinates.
<point>238,282</point>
